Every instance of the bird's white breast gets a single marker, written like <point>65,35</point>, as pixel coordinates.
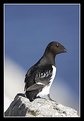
<point>46,89</point>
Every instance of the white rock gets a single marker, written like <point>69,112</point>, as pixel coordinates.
<point>40,107</point>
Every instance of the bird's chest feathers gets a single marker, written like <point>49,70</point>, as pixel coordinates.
<point>53,74</point>
<point>46,89</point>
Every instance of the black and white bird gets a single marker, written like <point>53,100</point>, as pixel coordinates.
<point>40,76</point>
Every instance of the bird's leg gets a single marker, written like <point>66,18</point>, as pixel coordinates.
<point>50,98</point>
<point>38,97</point>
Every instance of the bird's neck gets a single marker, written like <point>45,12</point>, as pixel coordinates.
<point>50,58</point>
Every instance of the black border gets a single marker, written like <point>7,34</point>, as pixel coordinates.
<point>2,47</point>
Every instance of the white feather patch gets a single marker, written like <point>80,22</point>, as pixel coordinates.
<point>40,83</point>
<point>46,89</point>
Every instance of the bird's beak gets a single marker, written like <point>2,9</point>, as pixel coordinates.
<point>65,50</point>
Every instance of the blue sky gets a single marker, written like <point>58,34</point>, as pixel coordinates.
<point>28,30</point>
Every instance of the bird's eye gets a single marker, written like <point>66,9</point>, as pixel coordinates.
<point>57,45</point>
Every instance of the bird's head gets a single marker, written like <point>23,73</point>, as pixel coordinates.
<point>55,48</point>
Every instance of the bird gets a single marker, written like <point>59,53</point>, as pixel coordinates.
<point>40,76</point>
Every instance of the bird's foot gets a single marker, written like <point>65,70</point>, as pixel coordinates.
<point>50,98</point>
<point>38,97</point>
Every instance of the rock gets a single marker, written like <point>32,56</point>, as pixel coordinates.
<point>40,107</point>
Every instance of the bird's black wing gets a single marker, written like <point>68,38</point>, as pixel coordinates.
<point>43,74</point>
<point>38,77</point>
<point>29,77</point>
